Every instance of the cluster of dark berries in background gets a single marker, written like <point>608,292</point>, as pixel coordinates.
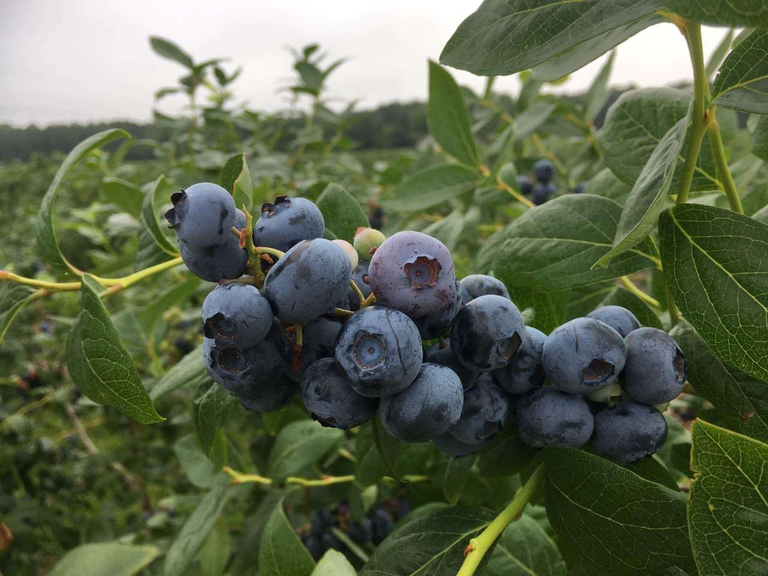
<point>541,188</point>
<point>338,530</point>
<point>386,327</point>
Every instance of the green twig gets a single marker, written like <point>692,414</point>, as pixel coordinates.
<point>629,285</point>
<point>723,172</point>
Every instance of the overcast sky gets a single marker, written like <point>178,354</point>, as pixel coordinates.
<point>83,60</point>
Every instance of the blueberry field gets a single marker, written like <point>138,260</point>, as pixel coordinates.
<point>533,343</point>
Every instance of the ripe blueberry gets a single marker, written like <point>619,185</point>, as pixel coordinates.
<point>655,371</point>
<point>476,285</point>
<point>437,323</point>
<point>483,414</point>
<point>524,185</point>
<point>308,281</point>
<point>543,171</point>
<point>287,222</point>
<point>447,444</point>
<point>581,187</point>
<point>487,333</point>
<point>628,432</point>
<point>425,409</point>
<point>542,192</point>
<point>360,277</point>
<point>224,262</point>
<point>380,350</point>
<point>413,273</point>
<point>549,417</point>
<point>525,371</point>
<point>236,315</point>
<point>327,394</point>
<point>618,318</point>
<point>202,216</point>
<point>319,341</point>
<point>583,355</point>
<point>445,357</point>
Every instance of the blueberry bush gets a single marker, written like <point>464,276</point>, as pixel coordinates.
<point>535,344</point>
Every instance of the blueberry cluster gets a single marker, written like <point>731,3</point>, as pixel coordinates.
<point>326,525</point>
<point>386,327</point>
<point>541,188</point>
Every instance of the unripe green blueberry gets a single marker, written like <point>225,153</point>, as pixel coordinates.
<point>349,250</point>
<point>366,242</point>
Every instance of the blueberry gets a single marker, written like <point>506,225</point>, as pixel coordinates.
<point>224,262</point>
<point>512,401</point>
<point>413,273</point>
<point>655,371</point>
<point>543,192</point>
<point>618,318</point>
<point>236,315</point>
<point>287,222</point>
<point>525,371</point>
<point>202,216</point>
<point>380,350</point>
<point>271,397</point>
<point>308,281</point>
<point>581,187</point>
<point>487,333</point>
<point>381,526</point>
<point>427,408</point>
<point>477,285</point>
<point>543,171</point>
<point>549,417</point>
<point>327,394</point>
<point>628,432</point>
<point>330,542</point>
<point>319,341</point>
<point>483,414</point>
<point>240,370</point>
<point>524,185</point>
<point>367,241</point>
<point>438,323</point>
<point>445,357</point>
<point>359,277</point>
<point>447,444</point>
<point>314,547</point>
<point>583,355</point>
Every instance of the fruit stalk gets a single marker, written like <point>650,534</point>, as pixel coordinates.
<point>723,172</point>
<point>478,547</point>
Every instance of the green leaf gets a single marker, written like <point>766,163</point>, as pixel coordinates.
<point>432,544</point>
<point>524,549</point>
<point>557,243</point>
<point>189,371</point>
<point>731,13</point>
<point>506,455</point>
<point>716,58</point>
<point>105,559</point>
<point>236,178</point>
<point>342,213</point>
<point>370,466</point>
<point>740,401</point>
<point>728,504</point>
<point>334,563</point>
<point>507,36</point>
<point>215,552</point>
<point>196,465</point>
<point>532,118</point>
<point>429,188</point>
<point>448,117</point>
<point>608,520</point>
<point>12,301</point>
<point>47,243</point>
<point>176,295</point>
<point>123,194</point>
<point>716,268</point>
<point>598,92</point>
<point>759,136</point>
<point>654,470</point>
<point>197,527</point>
<point>649,195</point>
<point>761,215</point>
<point>299,445</point>
<point>211,413</point>
<point>99,363</point>
<point>387,445</point>
<point>455,476</point>
<point>154,245</point>
<point>171,51</point>
<point>582,54</point>
<point>605,183</point>
<point>281,552</point>
<point>742,82</point>
<point>626,299</point>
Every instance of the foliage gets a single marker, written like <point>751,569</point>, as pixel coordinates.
<point>119,456</point>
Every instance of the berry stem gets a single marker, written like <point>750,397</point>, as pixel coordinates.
<point>514,193</point>
<point>357,290</point>
<point>724,173</point>
<point>341,313</point>
<point>241,478</point>
<point>368,301</point>
<point>478,547</point>
<point>700,117</point>
<point>629,285</point>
